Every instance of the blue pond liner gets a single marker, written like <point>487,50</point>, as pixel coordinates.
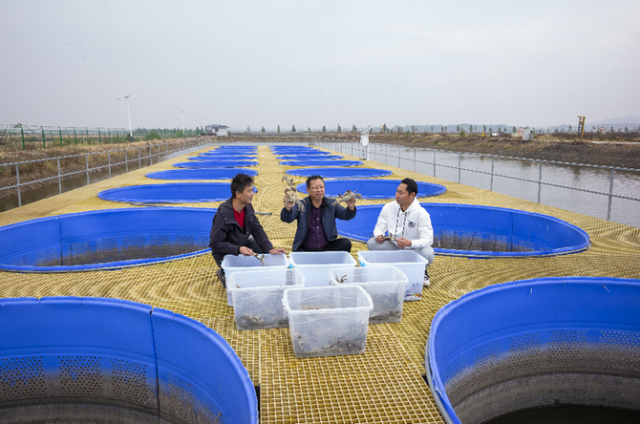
<point>483,231</point>
<point>374,189</point>
<point>223,157</point>
<point>231,152</point>
<point>313,153</point>
<point>304,156</point>
<point>339,172</point>
<point>201,174</point>
<point>330,162</point>
<point>302,152</point>
<point>234,150</point>
<point>546,330</point>
<point>215,164</point>
<point>316,153</point>
<point>123,354</point>
<point>169,193</point>
<point>105,239</point>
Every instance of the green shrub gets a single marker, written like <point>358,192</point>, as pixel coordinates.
<point>152,135</point>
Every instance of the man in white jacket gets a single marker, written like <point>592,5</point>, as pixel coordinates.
<point>408,225</point>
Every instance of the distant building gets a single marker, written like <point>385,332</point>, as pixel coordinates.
<point>526,133</point>
<point>216,129</point>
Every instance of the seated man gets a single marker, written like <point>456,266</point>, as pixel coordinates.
<point>317,222</point>
<point>235,229</point>
<point>408,223</point>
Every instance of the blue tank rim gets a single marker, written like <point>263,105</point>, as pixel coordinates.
<point>104,195</point>
<point>317,170</point>
<point>214,164</point>
<point>441,189</point>
<point>111,266</point>
<point>486,254</point>
<point>157,174</point>
<point>155,317</point>
<point>435,380</point>
<point>326,162</point>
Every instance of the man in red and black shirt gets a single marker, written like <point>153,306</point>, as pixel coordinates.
<point>235,229</point>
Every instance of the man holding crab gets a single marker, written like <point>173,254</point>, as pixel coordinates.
<point>408,225</point>
<point>235,229</point>
<point>316,217</point>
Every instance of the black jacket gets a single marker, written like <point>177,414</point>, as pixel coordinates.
<point>227,237</point>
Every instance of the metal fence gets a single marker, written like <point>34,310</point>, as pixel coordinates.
<point>41,136</point>
<point>140,156</point>
<point>393,155</point>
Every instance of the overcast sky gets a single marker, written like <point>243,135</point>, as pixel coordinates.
<point>315,63</point>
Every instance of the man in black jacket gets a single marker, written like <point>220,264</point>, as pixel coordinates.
<point>317,219</point>
<point>235,229</point>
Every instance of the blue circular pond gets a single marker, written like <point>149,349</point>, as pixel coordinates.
<point>339,172</point>
<point>536,343</point>
<point>329,162</point>
<point>215,164</point>
<point>169,193</point>
<point>223,157</point>
<point>103,239</point>
<point>374,189</point>
<point>313,153</point>
<point>103,360</point>
<point>483,231</point>
<point>201,174</point>
<point>308,157</point>
<point>232,149</point>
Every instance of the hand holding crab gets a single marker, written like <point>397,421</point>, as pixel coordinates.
<point>382,238</point>
<point>349,198</point>
<point>291,195</point>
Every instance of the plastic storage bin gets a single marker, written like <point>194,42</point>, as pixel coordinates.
<point>385,284</point>
<point>232,264</point>
<point>314,265</point>
<point>257,296</point>
<point>328,321</point>
<point>411,263</point>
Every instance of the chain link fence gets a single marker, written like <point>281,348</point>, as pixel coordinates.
<point>25,137</point>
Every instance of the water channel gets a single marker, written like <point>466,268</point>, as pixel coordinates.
<point>476,170</point>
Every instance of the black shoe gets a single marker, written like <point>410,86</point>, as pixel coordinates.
<point>221,277</point>
<point>426,281</point>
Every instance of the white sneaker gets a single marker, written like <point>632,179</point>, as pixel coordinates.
<point>426,281</point>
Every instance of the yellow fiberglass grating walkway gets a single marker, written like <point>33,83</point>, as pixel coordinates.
<point>383,385</point>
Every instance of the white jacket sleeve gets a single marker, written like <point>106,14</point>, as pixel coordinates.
<point>382,225</point>
<point>426,231</point>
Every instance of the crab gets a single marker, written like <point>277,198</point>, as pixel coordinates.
<point>291,193</point>
<point>348,195</point>
<point>390,238</point>
<point>260,258</point>
<point>341,279</point>
<point>251,320</point>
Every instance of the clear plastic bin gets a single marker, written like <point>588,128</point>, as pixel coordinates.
<point>314,265</point>
<point>385,284</point>
<point>232,264</point>
<point>328,321</point>
<point>410,262</point>
<point>257,296</point>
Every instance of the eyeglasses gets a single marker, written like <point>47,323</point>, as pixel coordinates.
<point>316,188</point>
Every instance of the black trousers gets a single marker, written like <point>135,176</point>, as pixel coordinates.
<point>337,245</point>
